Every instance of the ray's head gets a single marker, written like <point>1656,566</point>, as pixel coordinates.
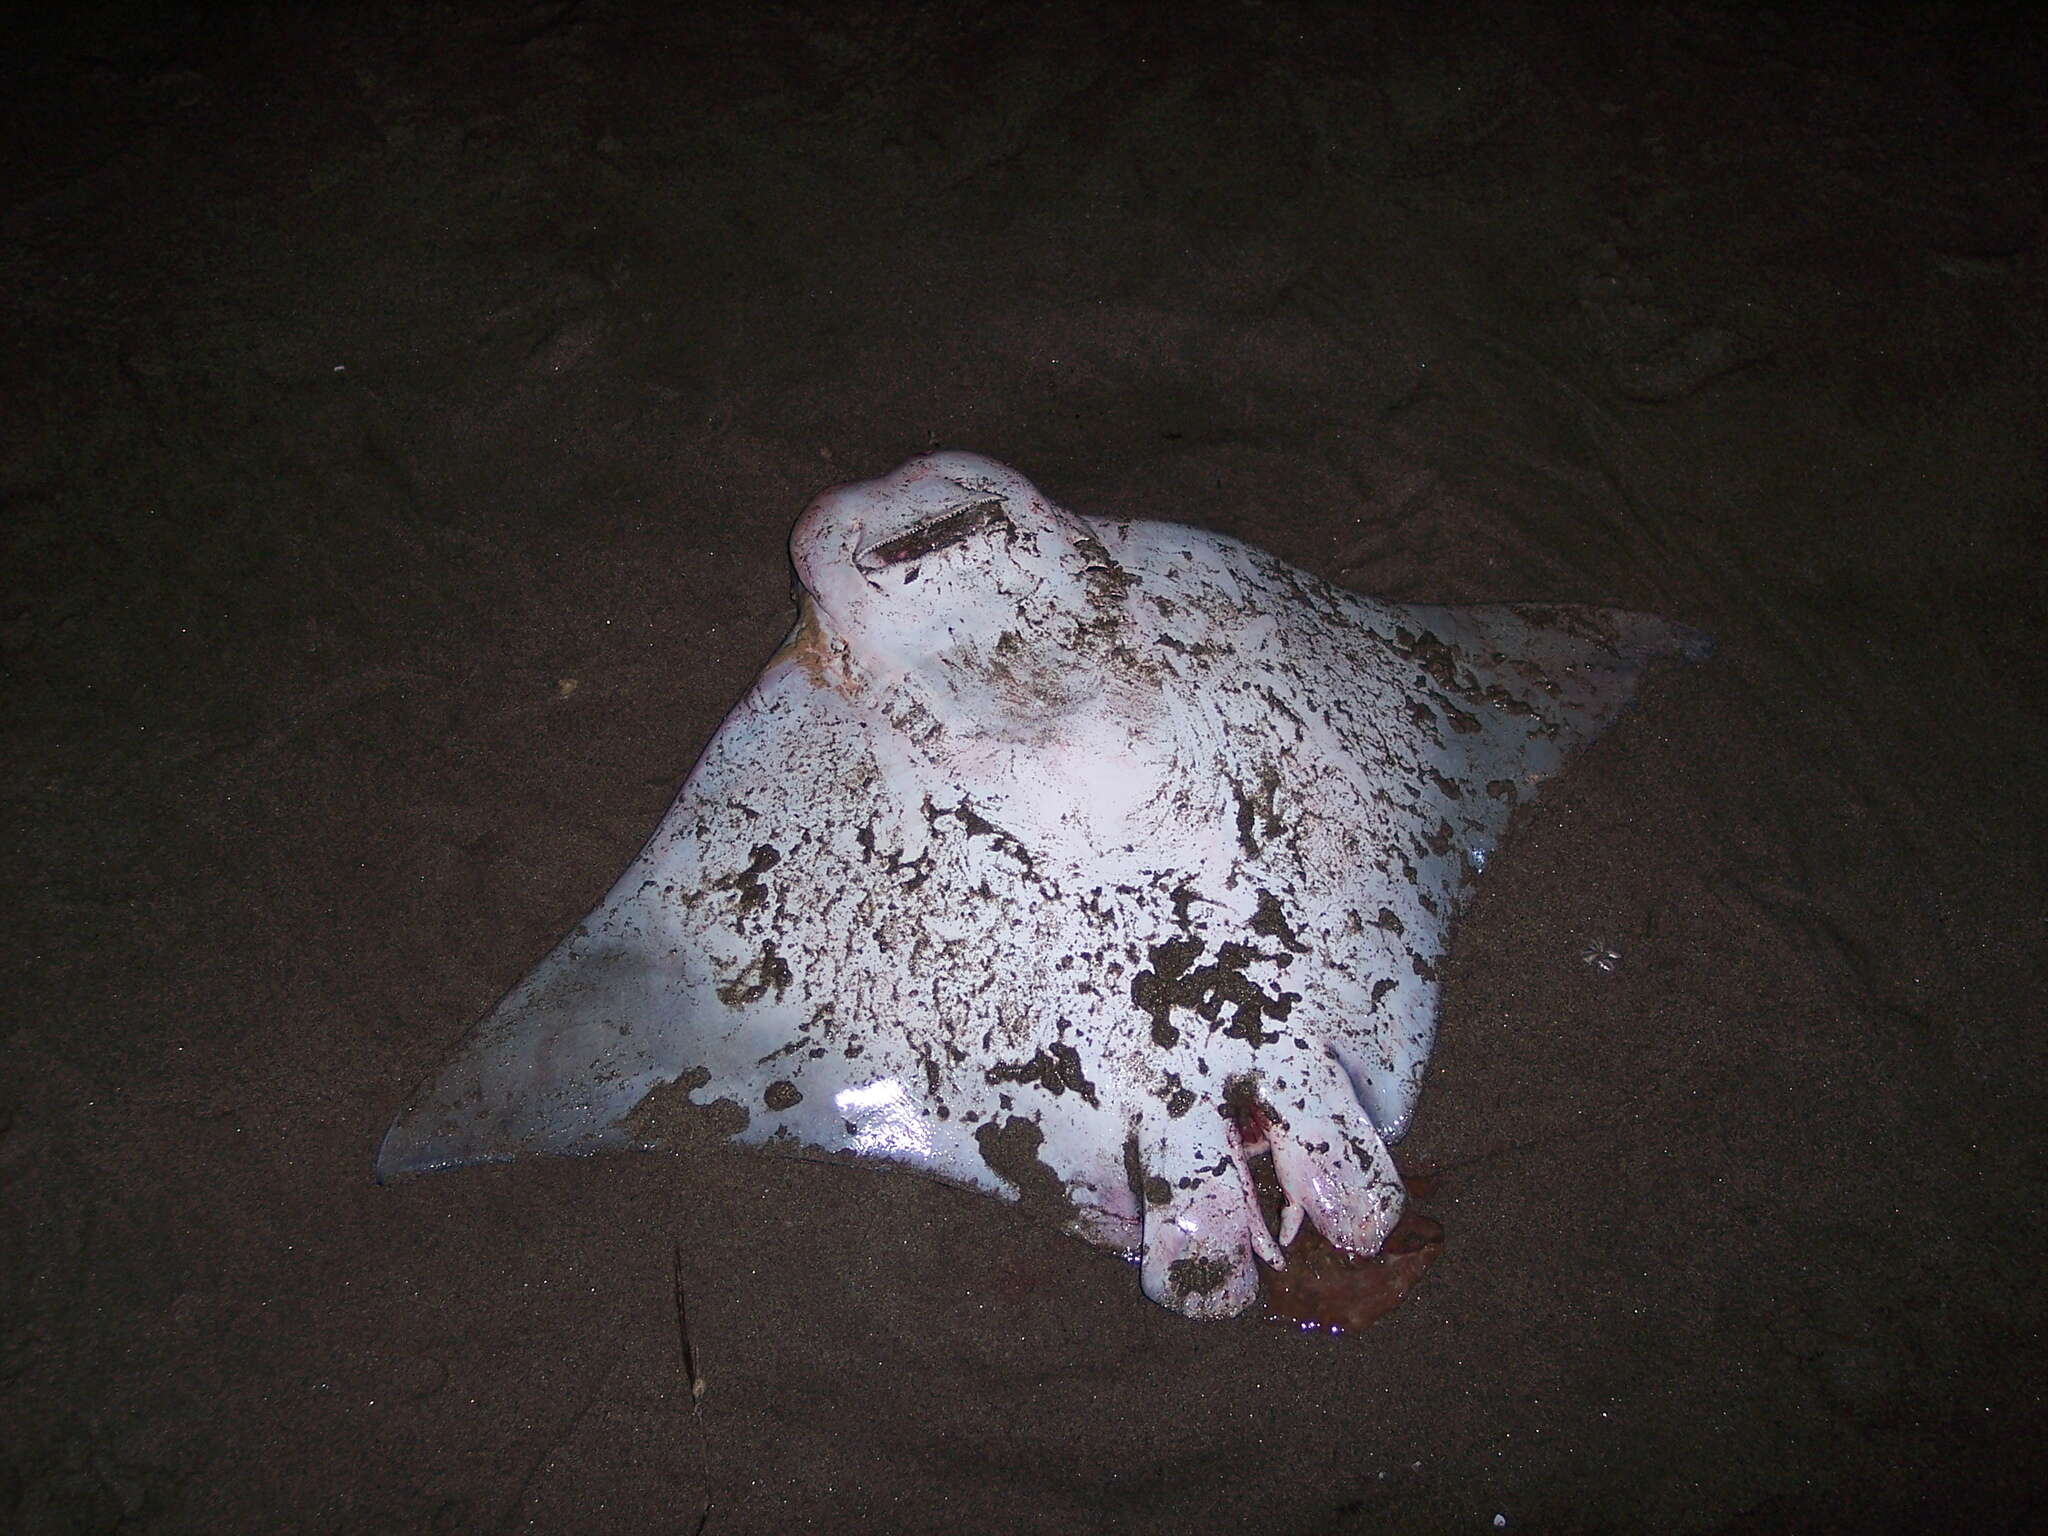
<point>953,575</point>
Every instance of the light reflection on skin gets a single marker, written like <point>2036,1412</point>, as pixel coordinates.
<point>886,1123</point>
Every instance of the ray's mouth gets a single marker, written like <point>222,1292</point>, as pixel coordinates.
<point>942,532</point>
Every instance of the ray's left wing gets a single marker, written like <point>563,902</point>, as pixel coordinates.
<point>649,988</point>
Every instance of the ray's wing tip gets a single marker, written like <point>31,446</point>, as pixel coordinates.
<point>1681,642</point>
<point>1642,638</point>
<point>409,1150</point>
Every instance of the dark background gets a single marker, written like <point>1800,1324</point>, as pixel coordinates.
<point>402,409</point>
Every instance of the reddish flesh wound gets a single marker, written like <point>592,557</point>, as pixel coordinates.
<point>1325,1287</point>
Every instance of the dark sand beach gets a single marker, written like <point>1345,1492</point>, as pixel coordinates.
<point>403,409</point>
